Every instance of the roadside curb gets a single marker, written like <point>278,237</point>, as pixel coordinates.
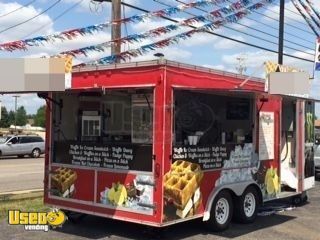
<point>19,195</point>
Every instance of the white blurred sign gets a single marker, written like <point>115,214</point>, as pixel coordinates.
<point>290,83</point>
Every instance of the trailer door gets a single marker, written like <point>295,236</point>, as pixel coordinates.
<point>267,145</point>
<point>308,146</point>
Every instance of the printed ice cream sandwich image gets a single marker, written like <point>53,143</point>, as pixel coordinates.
<point>136,194</point>
<point>182,190</point>
<point>62,182</point>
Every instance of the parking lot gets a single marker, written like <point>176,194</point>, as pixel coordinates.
<point>302,223</point>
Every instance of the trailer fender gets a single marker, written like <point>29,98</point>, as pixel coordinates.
<point>235,188</point>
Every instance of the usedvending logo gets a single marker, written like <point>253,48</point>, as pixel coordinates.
<point>37,221</point>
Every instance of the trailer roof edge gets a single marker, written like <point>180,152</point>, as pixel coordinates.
<point>164,62</point>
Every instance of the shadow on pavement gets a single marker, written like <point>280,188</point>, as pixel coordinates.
<point>96,227</point>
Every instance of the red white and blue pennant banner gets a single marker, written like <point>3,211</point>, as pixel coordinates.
<point>177,38</point>
<point>89,30</point>
<point>306,18</point>
<point>135,38</point>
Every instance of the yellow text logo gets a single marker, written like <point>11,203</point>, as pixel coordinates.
<point>52,218</point>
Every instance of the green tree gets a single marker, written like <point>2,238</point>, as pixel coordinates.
<point>40,117</point>
<point>21,116</point>
<point>11,117</point>
<point>4,122</point>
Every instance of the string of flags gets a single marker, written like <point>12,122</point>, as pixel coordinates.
<point>306,18</point>
<point>217,18</point>
<point>177,38</point>
<point>312,20</point>
<point>134,38</point>
<point>313,8</point>
<point>90,30</point>
<point>310,13</point>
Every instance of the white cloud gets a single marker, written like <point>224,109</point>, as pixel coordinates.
<point>22,15</point>
<point>216,67</point>
<point>170,53</point>
<point>199,39</point>
<point>228,44</point>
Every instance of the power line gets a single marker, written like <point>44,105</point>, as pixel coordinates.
<point>275,20</point>
<point>288,24</point>
<point>221,35</point>
<point>290,34</point>
<point>28,20</point>
<point>274,28</point>
<point>249,27</point>
<point>269,25</point>
<point>296,5</point>
<point>17,9</point>
<point>291,18</point>
<point>55,19</point>
<point>287,9</point>
<point>236,30</point>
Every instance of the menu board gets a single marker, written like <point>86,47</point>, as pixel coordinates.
<point>122,157</point>
<point>208,157</point>
<point>266,136</point>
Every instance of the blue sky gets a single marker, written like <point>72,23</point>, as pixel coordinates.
<point>203,49</point>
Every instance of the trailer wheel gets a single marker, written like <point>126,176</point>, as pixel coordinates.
<point>221,212</point>
<point>299,199</point>
<point>74,217</point>
<point>247,206</point>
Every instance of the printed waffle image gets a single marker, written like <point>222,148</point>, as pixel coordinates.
<point>182,187</point>
<point>63,180</point>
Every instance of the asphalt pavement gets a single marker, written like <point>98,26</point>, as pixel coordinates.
<point>21,173</point>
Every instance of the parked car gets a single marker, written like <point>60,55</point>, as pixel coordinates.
<point>22,145</point>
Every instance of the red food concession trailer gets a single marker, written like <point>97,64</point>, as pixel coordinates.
<point>160,142</point>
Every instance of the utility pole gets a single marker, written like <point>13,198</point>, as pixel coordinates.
<point>15,112</point>
<point>241,68</point>
<point>281,32</point>
<point>116,28</point>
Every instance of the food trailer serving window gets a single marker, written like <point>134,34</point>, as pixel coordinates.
<point>109,130</point>
<point>210,125</point>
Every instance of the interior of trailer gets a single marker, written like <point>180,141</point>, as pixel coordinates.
<point>209,118</point>
<point>115,118</point>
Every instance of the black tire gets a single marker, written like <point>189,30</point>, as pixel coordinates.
<point>74,217</point>
<point>221,204</point>
<point>20,156</point>
<point>299,199</point>
<point>35,153</point>
<point>246,206</point>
